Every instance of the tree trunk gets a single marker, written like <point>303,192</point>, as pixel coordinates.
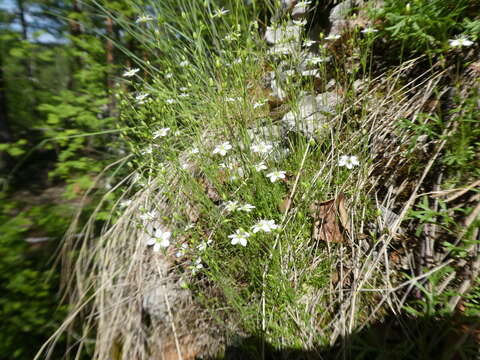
<point>110,74</point>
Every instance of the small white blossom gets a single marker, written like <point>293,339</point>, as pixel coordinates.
<point>130,72</point>
<point>149,215</point>
<point>220,12</point>
<point>240,237</point>
<point>275,175</point>
<point>181,252</point>
<point>333,37</point>
<point>348,161</point>
<point>262,147</point>
<point>300,22</point>
<point>260,166</point>
<point>231,206</point>
<point>125,203</point>
<point>203,245</point>
<point>147,150</point>
<point>222,149</point>
<point>183,89</point>
<point>309,43</point>
<point>141,97</point>
<point>197,265</point>
<point>170,101</point>
<point>238,61</point>
<point>183,95</point>
<point>259,104</point>
<point>161,239</point>
<point>461,41</point>
<point>369,30</point>
<point>161,133</point>
<point>144,19</point>
<point>265,225</point>
<point>318,60</point>
<point>194,151</point>
<point>184,63</point>
<point>246,207</point>
<point>168,75</point>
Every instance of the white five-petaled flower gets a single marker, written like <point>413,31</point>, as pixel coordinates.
<point>220,12</point>
<point>130,72</point>
<point>461,41</point>
<point>275,175</point>
<point>222,149</point>
<point>262,147</point>
<point>184,63</point>
<point>143,19</point>
<point>246,207</point>
<point>369,30</point>
<point>240,237</point>
<point>161,132</point>
<point>348,161</point>
<point>203,245</point>
<point>231,206</point>
<point>160,239</point>
<point>168,75</point>
<point>181,252</point>
<point>260,166</point>
<point>197,265</point>
<point>170,101</point>
<point>265,225</point>
<point>141,97</point>
<point>333,37</point>
<point>183,95</point>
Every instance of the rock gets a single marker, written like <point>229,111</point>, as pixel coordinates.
<point>312,114</point>
<point>283,34</point>
<point>339,17</point>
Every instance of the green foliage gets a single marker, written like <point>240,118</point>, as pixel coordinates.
<point>29,305</point>
<point>424,25</point>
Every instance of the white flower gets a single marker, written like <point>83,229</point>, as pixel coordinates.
<point>203,245</point>
<point>170,101</point>
<point>183,95</point>
<point>275,175</point>
<point>143,19</point>
<point>259,104</point>
<point>141,97</point>
<point>318,60</point>
<point>260,166</point>
<point>226,166</point>
<point>300,22</point>
<point>238,61</point>
<point>168,75</point>
<point>333,37</point>
<point>265,225</point>
<point>369,30</point>
<point>246,207</point>
<point>220,12</point>
<point>194,151</point>
<point>183,89</point>
<point>309,43</point>
<point>231,206</point>
<point>348,161</point>
<point>262,147</point>
<point>149,215</point>
<point>461,41</point>
<point>161,132</point>
<point>130,72</point>
<point>125,203</point>
<point>184,63</point>
<point>147,150</point>
<point>161,239</point>
<point>240,237</point>
<point>181,252</point>
<point>197,265</point>
<point>222,148</point>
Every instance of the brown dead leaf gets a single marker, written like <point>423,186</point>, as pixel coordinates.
<point>325,226</point>
<point>328,216</point>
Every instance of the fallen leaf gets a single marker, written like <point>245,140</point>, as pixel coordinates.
<point>343,212</point>
<point>325,226</point>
